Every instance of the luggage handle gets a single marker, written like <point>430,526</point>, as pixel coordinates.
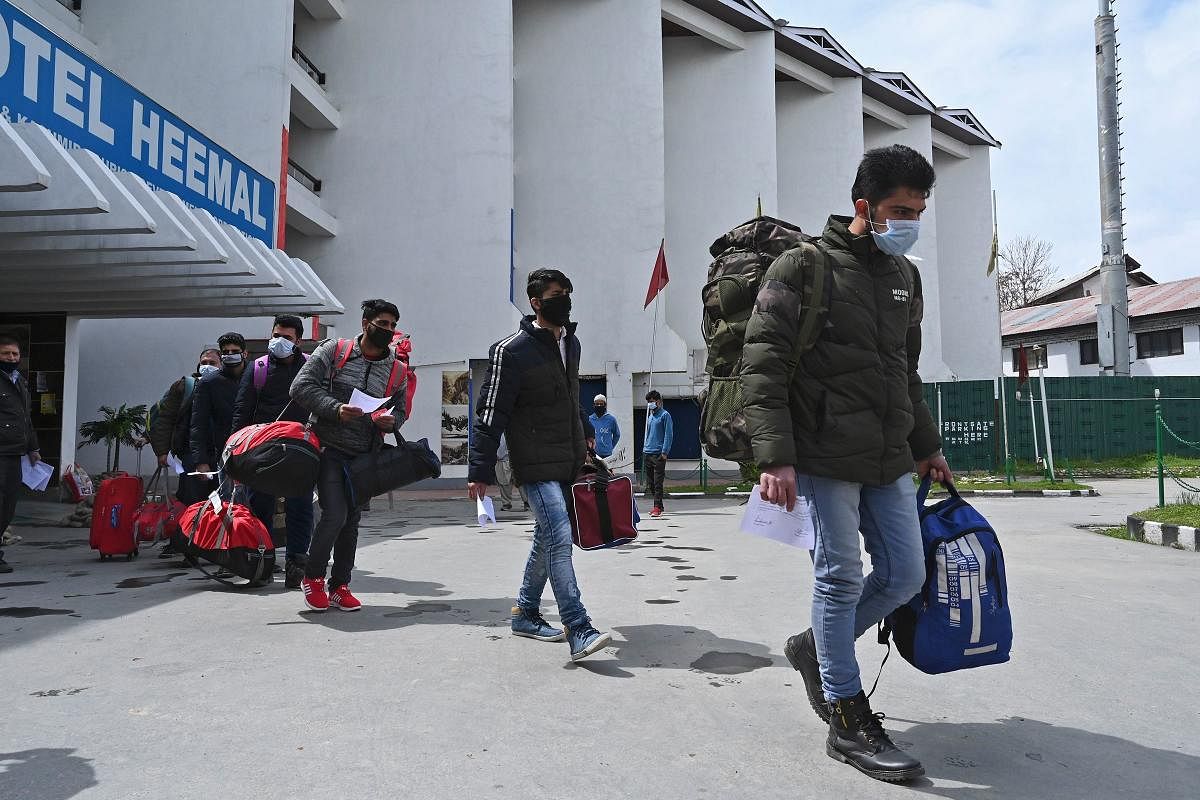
<point>927,484</point>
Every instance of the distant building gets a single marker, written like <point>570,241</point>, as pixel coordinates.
<point>1087,284</point>
<point>1164,331</point>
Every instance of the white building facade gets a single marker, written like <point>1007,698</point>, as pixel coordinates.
<point>434,153</point>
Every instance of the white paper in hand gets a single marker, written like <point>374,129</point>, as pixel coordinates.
<point>485,511</point>
<point>174,463</point>
<point>770,521</point>
<point>366,402</point>
<point>36,476</point>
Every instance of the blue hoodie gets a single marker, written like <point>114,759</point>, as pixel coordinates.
<point>660,433</point>
<point>608,434</point>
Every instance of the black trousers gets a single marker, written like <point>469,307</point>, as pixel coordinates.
<point>656,474</point>
<point>337,530</point>
<point>10,488</point>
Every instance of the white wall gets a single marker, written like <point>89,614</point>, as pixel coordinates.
<point>720,156</point>
<point>1063,359</point>
<point>820,138</point>
<point>970,312</point>
<point>918,134</point>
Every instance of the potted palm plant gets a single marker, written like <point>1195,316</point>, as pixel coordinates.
<point>119,426</point>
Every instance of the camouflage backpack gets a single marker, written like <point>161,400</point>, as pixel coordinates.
<point>741,259</point>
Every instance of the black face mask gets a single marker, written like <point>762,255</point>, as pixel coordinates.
<point>557,310</point>
<point>380,337</point>
<point>9,367</point>
<point>600,410</point>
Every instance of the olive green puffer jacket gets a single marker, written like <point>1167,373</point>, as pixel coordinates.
<point>849,408</point>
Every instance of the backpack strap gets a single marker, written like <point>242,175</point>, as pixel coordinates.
<point>394,377</point>
<point>189,386</point>
<point>261,365</point>
<point>818,289</point>
<point>341,353</point>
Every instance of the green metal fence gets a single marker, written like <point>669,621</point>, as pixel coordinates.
<point>1090,418</point>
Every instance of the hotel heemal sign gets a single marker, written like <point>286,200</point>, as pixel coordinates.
<point>45,80</point>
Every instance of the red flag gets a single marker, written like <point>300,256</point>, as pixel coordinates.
<point>660,278</point>
<point>1022,367</point>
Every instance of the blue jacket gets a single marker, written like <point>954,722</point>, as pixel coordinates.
<point>608,434</point>
<point>660,433</point>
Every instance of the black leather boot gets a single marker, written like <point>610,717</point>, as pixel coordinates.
<point>293,571</point>
<point>857,738</point>
<point>801,652</point>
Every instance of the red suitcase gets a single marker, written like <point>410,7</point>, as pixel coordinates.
<point>602,509</point>
<point>157,518</point>
<point>112,516</point>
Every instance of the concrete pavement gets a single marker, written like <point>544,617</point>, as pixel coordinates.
<point>144,680</point>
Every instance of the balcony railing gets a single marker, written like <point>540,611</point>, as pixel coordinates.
<point>304,177</point>
<point>309,67</point>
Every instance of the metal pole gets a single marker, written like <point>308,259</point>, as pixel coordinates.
<point>1046,423</point>
<point>1037,456</point>
<point>1009,467</point>
<point>1113,312</point>
<point>941,426</point>
<point>1158,448</point>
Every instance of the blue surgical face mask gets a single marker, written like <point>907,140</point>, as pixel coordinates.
<point>280,347</point>
<point>207,369</point>
<point>900,236</point>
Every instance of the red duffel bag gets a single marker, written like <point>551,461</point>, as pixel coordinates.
<point>232,538</point>
<point>602,509</point>
<point>157,518</point>
<point>276,458</point>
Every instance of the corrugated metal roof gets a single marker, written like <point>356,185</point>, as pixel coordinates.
<point>1144,301</point>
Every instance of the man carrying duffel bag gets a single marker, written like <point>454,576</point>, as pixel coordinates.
<point>323,387</point>
<point>264,396</point>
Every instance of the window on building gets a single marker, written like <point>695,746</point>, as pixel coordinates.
<point>1156,344</point>
<point>1036,359</point>
<point>1089,351</point>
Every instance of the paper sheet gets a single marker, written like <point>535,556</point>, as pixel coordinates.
<point>36,476</point>
<point>174,463</point>
<point>366,402</point>
<point>485,511</point>
<point>770,521</point>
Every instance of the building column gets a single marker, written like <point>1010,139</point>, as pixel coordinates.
<point>970,311</point>
<point>620,404</point>
<point>720,156</point>
<point>70,400</point>
<point>820,137</point>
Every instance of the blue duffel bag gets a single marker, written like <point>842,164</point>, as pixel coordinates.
<point>961,618</point>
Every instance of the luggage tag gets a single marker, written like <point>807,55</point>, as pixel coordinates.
<point>215,499</point>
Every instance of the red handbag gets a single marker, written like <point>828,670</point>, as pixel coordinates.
<point>157,518</point>
<point>602,509</point>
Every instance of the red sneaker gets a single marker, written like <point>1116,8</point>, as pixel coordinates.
<point>341,598</point>
<point>656,512</point>
<point>315,596</point>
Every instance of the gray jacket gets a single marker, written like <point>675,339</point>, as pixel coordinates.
<point>314,390</point>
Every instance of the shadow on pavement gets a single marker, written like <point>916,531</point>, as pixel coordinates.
<point>480,612</point>
<point>1019,757</point>
<point>678,647</point>
<point>45,773</point>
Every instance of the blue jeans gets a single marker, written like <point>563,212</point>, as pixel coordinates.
<point>845,604</point>
<point>298,512</point>
<point>550,556</point>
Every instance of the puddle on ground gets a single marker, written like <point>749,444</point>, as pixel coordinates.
<point>413,539</point>
<point>53,545</point>
<point>142,583</point>
<point>682,566</point>
<point>689,578</point>
<point>413,609</point>
<point>729,577</point>
<point>24,612</point>
<point>59,692</point>
<point>637,574</point>
<point>661,602</point>
<point>649,541</point>
<point>671,559</point>
<point>683,547</point>
<point>13,584</point>
<point>77,574</point>
<point>719,663</point>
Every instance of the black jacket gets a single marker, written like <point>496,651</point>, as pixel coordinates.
<point>17,436</point>
<point>212,416</point>
<point>253,405</point>
<point>533,398</point>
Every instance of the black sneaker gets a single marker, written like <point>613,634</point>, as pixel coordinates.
<point>5,567</point>
<point>168,551</point>
<point>857,738</point>
<point>801,652</point>
<point>293,572</point>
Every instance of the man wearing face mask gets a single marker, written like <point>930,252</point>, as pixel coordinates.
<point>607,431</point>
<point>263,396</point>
<point>171,430</point>
<point>324,388</point>
<point>660,435</point>
<point>18,440</point>
<point>212,404</point>
<point>531,397</point>
<point>840,425</point>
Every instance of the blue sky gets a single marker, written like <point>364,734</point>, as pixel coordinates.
<point>1027,70</point>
